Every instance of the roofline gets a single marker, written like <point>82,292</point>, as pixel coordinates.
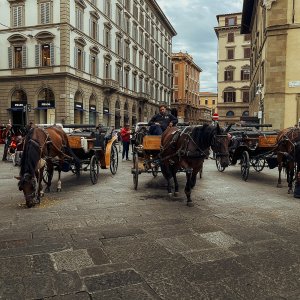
<point>248,8</point>
<point>163,16</point>
<point>231,14</point>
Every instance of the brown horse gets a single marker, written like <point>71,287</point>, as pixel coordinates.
<point>287,150</point>
<point>41,146</point>
<point>186,150</point>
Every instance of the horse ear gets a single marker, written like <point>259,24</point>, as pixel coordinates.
<point>17,177</point>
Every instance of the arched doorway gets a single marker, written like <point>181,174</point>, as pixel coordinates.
<point>78,108</point>
<point>45,110</point>
<point>18,108</point>
<point>106,112</point>
<point>92,110</point>
<point>117,115</point>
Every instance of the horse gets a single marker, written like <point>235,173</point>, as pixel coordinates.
<point>41,147</point>
<point>186,150</point>
<point>287,151</point>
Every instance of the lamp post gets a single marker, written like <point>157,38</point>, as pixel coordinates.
<point>261,104</point>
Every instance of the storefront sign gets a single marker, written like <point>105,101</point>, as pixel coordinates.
<point>93,108</point>
<point>46,104</point>
<point>105,110</point>
<point>78,105</point>
<point>18,104</point>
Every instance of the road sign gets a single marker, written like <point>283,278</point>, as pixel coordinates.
<point>215,117</point>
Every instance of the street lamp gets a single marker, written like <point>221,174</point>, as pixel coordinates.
<point>261,103</point>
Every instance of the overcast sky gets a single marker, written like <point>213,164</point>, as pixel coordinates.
<point>194,22</point>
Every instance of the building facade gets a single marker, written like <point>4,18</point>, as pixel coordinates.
<point>233,69</point>
<point>210,100</point>
<point>186,84</point>
<point>80,61</point>
<point>274,26</point>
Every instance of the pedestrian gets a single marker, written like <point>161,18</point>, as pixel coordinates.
<point>161,121</point>
<point>7,136</point>
<point>125,135</point>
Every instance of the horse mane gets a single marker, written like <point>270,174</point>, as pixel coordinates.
<point>31,154</point>
<point>203,135</point>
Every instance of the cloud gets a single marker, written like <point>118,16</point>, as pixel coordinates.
<point>194,22</point>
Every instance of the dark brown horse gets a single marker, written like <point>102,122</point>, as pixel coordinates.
<point>287,150</point>
<point>186,150</point>
<point>41,146</point>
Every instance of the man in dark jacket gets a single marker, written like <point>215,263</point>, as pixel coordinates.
<point>161,121</point>
<point>7,135</point>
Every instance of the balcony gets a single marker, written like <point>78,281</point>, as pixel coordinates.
<point>110,85</point>
<point>144,97</point>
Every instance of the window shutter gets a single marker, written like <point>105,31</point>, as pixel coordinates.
<point>24,56</point>
<point>37,55</point>
<point>90,59</point>
<point>42,13</point>
<point>10,60</point>
<point>17,16</point>
<point>97,66</point>
<point>91,28</point>
<point>52,54</point>
<point>83,61</point>
<point>97,33</point>
<point>20,16</point>
<point>75,58</point>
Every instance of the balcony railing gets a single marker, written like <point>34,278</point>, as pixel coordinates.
<point>111,85</point>
<point>144,96</point>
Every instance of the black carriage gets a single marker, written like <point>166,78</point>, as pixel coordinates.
<point>94,147</point>
<point>251,147</point>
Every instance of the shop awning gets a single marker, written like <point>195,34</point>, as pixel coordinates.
<point>79,109</point>
<point>15,109</point>
<point>43,108</point>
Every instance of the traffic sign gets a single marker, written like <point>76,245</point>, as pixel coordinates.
<point>215,116</point>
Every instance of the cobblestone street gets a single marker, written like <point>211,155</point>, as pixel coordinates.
<point>108,241</point>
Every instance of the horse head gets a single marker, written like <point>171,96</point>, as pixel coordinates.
<point>219,145</point>
<point>28,185</point>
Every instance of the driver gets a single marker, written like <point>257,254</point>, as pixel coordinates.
<point>161,121</point>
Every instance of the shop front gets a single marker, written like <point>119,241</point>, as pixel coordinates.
<point>45,111</point>
<point>78,113</point>
<point>18,112</point>
<point>92,115</point>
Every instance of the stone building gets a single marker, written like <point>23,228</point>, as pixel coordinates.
<point>210,100</point>
<point>233,69</point>
<point>81,61</point>
<point>274,26</point>
<point>186,84</point>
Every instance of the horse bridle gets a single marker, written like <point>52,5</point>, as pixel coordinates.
<point>215,140</point>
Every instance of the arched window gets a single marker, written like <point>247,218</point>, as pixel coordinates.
<point>230,114</point>
<point>245,113</point>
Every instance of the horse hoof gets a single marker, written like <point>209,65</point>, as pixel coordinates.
<point>58,190</point>
<point>176,194</point>
<point>42,194</point>
<point>279,185</point>
<point>190,204</point>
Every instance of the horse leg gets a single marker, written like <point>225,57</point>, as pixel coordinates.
<point>279,185</point>
<point>50,170</point>
<point>59,181</point>
<point>167,175</point>
<point>176,186</point>
<point>290,178</point>
<point>187,189</point>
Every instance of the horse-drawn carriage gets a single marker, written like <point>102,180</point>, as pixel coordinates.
<point>85,148</point>
<point>251,147</point>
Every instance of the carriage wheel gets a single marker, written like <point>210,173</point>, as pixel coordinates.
<point>114,160</point>
<point>135,171</point>
<point>258,164</point>
<point>218,164</point>
<point>245,165</point>
<point>47,175</point>
<point>94,169</point>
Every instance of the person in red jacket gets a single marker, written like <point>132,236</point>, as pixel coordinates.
<point>125,135</point>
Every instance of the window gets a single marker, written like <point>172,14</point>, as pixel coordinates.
<point>230,114</point>
<point>119,16</point>
<point>119,74</point>
<point>247,52</point>
<point>94,65</point>
<point>107,69</point>
<point>17,56</point>
<point>206,102</point>
<point>94,28</point>
<point>127,5</point>
<point>245,96</point>
<point>245,74</point>
<point>141,60</point>
<point>230,53</point>
<point>134,31</point>
<point>141,33</point>
<point>119,45</point>
<point>45,12</point>
<point>229,95</point>
<point>127,24</point>
<point>228,75</point>
<point>230,37</point>
<point>230,21</point>
<point>79,18</point>
<point>17,16</point>
<point>127,79</point>
<point>106,37</point>
<point>44,55</point>
<point>142,18</point>
<point>134,55</point>
<point>107,8</point>
<point>135,11</point>
<point>79,58</point>
<point>134,83</point>
<point>127,51</point>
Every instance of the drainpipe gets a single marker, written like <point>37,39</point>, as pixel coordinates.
<point>293,16</point>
